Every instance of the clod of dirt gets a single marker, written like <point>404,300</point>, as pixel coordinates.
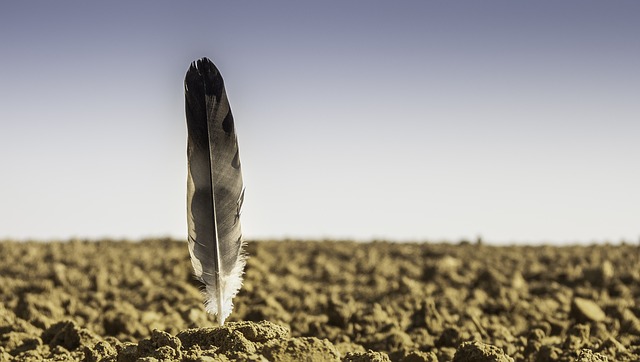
<point>600,275</point>
<point>249,340</point>
<point>101,351</point>
<point>480,352</point>
<point>450,337</point>
<point>24,345</point>
<point>586,310</point>
<point>122,320</point>
<point>340,313</point>
<point>630,323</point>
<point>68,335</point>
<point>577,337</point>
<point>4,356</point>
<point>419,356</point>
<point>220,340</point>
<point>548,353</point>
<point>302,349</point>
<point>368,356</point>
<point>586,355</point>
<point>160,345</point>
<point>427,316</point>
<point>261,332</point>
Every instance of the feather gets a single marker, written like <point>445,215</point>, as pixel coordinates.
<point>214,189</point>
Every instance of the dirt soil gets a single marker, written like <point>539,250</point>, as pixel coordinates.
<point>322,301</point>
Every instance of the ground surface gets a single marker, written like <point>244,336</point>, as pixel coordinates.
<point>322,301</point>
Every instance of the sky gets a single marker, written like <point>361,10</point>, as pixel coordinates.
<point>513,121</point>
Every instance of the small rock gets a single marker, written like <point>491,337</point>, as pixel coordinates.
<point>585,310</point>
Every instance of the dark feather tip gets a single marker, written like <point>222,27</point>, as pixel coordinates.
<point>203,72</point>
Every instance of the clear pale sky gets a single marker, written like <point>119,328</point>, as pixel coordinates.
<point>414,120</point>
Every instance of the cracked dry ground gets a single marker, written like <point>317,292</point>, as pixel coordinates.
<point>322,301</point>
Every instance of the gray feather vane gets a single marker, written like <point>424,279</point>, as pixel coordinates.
<point>214,189</point>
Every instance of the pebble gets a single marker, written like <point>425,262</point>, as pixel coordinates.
<point>586,310</point>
